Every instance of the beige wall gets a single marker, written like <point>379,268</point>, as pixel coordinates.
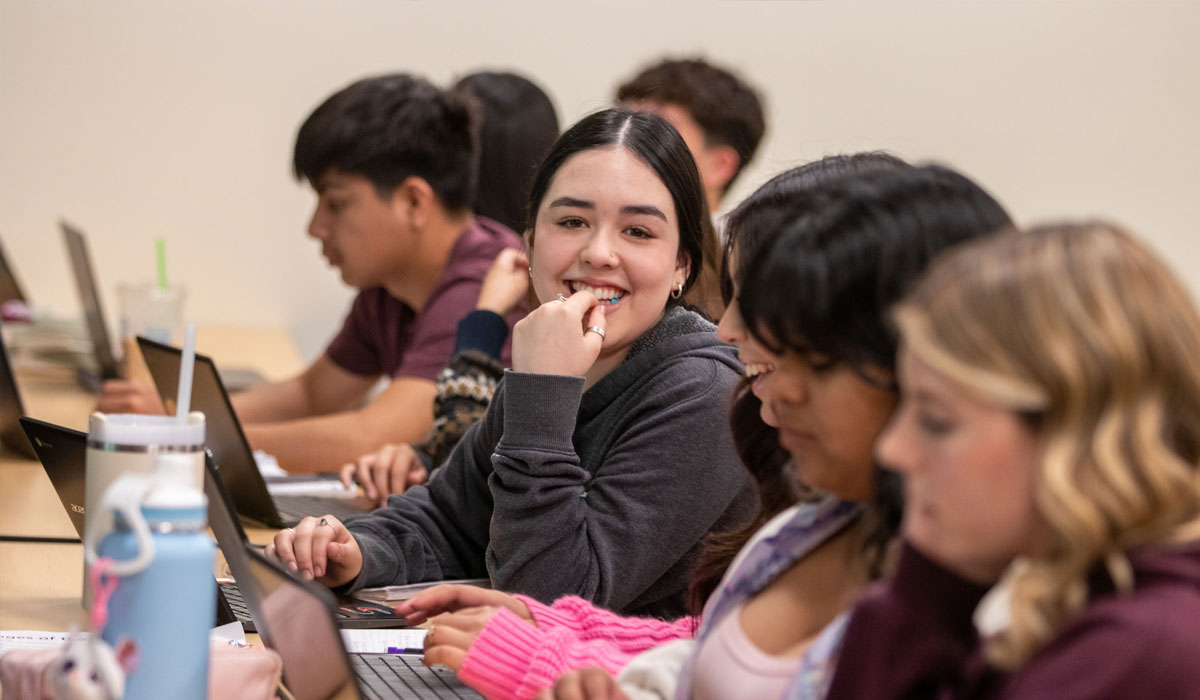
<point>141,119</point>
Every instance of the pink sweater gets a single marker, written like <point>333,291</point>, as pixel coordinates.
<point>512,659</point>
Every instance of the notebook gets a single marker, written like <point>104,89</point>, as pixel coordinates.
<point>63,454</point>
<point>11,409</point>
<point>295,618</point>
<point>231,450</point>
<point>93,312</point>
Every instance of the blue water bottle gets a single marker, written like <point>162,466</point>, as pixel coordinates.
<point>165,596</point>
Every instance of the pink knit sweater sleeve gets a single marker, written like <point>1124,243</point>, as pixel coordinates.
<point>512,659</point>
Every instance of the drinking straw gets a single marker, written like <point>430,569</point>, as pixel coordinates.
<point>160,251</point>
<point>183,399</point>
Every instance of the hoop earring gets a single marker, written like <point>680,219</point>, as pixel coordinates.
<point>677,292</point>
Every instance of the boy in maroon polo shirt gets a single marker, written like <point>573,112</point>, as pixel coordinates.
<point>393,161</point>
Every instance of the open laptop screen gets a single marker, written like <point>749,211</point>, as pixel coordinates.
<point>10,289</point>
<point>294,618</point>
<point>93,312</point>
<point>10,409</point>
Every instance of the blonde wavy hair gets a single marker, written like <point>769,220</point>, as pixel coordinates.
<point>1089,337</point>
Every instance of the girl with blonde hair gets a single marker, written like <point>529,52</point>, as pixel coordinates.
<point>1049,433</point>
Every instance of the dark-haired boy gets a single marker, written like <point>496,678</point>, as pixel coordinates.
<point>392,159</point>
<point>721,120</point>
<point>718,115</point>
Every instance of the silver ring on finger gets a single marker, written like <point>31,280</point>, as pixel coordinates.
<point>597,330</point>
<point>560,297</point>
<point>291,530</point>
<point>324,521</point>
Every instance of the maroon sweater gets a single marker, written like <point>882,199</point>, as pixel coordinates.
<point>912,637</point>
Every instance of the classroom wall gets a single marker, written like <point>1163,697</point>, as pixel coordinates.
<point>144,119</point>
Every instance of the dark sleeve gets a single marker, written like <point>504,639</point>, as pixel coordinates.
<point>607,536</point>
<point>481,330</point>
<point>355,347</point>
<point>909,637</point>
<point>438,530</point>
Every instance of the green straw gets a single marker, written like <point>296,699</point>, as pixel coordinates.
<point>160,249</point>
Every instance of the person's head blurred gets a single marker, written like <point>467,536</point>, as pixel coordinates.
<point>616,210</point>
<point>517,128</point>
<point>387,156</point>
<point>719,116</point>
<point>1051,412</point>
<point>757,220</point>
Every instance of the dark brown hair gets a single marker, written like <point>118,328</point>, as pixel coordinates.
<point>726,108</point>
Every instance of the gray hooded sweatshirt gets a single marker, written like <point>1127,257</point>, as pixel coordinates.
<point>604,494</point>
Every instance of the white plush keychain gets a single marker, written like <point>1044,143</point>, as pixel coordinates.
<point>88,668</point>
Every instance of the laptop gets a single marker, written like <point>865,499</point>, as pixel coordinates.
<point>93,312</point>
<point>97,325</point>
<point>11,410</point>
<point>295,618</point>
<point>10,288</point>
<point>63,453</point>
<point>350,613</point>
<point>231,450</point>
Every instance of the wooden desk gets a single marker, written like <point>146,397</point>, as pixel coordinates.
<point>40,583</point>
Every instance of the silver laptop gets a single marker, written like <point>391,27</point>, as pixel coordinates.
<point>351,613</point>
<point>107,366</point>
<point>295,618</point>
<point>97,323</point>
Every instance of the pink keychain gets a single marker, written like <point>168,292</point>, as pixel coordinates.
<point>89,669</point>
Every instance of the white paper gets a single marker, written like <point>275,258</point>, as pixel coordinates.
<point>32,639</point>
<point>231,633</point>
<point>378,641</point>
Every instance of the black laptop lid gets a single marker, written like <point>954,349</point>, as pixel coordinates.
<point>226,527</point>
<point>222,433</point>
<point>10,288</point>
<point>93,312</point>
<point>63,453</point>
<point>11,409</point>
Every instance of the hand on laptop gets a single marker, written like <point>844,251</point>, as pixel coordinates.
<point>392,469</point>
<point>319,548</point>
<point>451,635</point>
<point>593,683</point>
<point>130,396</point>
<point>453,597</point>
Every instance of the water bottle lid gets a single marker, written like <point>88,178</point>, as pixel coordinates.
<point>175,483</point>
<point>135,429</point>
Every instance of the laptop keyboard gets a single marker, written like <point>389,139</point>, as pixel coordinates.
<point>383,676</point>
<point>295,508</point>
<point>237,604</point>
